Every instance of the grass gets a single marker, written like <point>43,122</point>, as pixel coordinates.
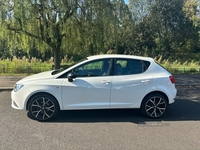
<point>26,66</point>
<point>178,67</point>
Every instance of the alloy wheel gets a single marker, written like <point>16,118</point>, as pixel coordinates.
<point>43,108</point>
<point>154,106</point>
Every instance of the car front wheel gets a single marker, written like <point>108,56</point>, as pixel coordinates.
<point>43,107</point>
<point>154,105</point>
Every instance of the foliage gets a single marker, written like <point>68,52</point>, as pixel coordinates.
<point>26,65</point>
<point>179,67</point>
<point>29,66</point>
<point>75,29</point>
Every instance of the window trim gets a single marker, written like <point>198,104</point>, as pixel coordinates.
<point>109,74</point>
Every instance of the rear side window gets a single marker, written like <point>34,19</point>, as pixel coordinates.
<point>130,66</point>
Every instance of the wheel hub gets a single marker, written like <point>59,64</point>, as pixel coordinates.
<point>42,108</point>
<point>155,106</point>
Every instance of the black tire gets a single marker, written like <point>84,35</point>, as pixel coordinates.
<point>154,105</point>
<point>43,107</point>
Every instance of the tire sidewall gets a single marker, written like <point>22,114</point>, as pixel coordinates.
<point>146,99</point>
<point>46,96</point>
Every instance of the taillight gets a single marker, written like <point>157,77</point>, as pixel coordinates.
<point>172,79</point>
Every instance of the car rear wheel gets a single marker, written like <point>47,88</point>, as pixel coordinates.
<point>43,107</point>
<point>154,106</point>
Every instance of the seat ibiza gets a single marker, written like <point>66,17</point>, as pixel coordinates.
<point>98,82</point>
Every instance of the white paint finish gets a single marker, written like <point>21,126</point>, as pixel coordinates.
<point>126,90</point>
<point>87,93</point>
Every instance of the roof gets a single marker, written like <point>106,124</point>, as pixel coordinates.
<point>119,56</point>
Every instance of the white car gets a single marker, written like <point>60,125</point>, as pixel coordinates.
<point>99,82</point>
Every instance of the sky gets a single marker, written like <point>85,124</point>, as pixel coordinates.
<point>126,1</point>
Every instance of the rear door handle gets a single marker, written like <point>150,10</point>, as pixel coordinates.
<point>145,81</point>
<point>105,82</point>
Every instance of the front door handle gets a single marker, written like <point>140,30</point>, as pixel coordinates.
<point>145,81</point>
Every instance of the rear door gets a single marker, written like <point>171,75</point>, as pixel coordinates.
<point>129,82</point>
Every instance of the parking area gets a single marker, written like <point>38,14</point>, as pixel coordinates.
<point>116,129</point>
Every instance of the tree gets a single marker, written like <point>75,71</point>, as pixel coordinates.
<point>191,10</point>
<point>43,20</point>
<point>166,27</point>
<point>4,50</point>
<point>144,29</point>
<point>97,28</point>
<point>177,34</point>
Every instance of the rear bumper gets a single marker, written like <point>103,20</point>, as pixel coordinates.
<point>172,95</point>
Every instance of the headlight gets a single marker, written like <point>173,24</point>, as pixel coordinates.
<point>17,87</point>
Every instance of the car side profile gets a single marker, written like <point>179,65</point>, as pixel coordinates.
<point>98,82</point>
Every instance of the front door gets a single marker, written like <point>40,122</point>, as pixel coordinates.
<point>91,87</point>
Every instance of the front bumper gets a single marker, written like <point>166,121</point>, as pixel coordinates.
<point>19,99</point>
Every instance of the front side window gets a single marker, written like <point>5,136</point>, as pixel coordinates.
<point>130,66</point>
<point>95,68</point>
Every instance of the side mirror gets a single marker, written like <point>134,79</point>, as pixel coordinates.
<point>71,76</point>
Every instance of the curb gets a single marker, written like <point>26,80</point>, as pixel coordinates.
<point>6,89</point>
<point>188,85</point>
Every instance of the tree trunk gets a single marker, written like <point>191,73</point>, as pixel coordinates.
<point>56,58</point>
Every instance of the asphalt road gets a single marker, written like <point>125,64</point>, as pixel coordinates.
<point>104,129</point>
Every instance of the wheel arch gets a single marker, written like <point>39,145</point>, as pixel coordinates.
<point>155,92</point>
<point>38,93</point>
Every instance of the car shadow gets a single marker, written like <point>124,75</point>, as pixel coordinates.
<point>182,110</point>
<point>185,108</point>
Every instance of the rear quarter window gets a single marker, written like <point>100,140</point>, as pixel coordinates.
<point>146,65</point>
